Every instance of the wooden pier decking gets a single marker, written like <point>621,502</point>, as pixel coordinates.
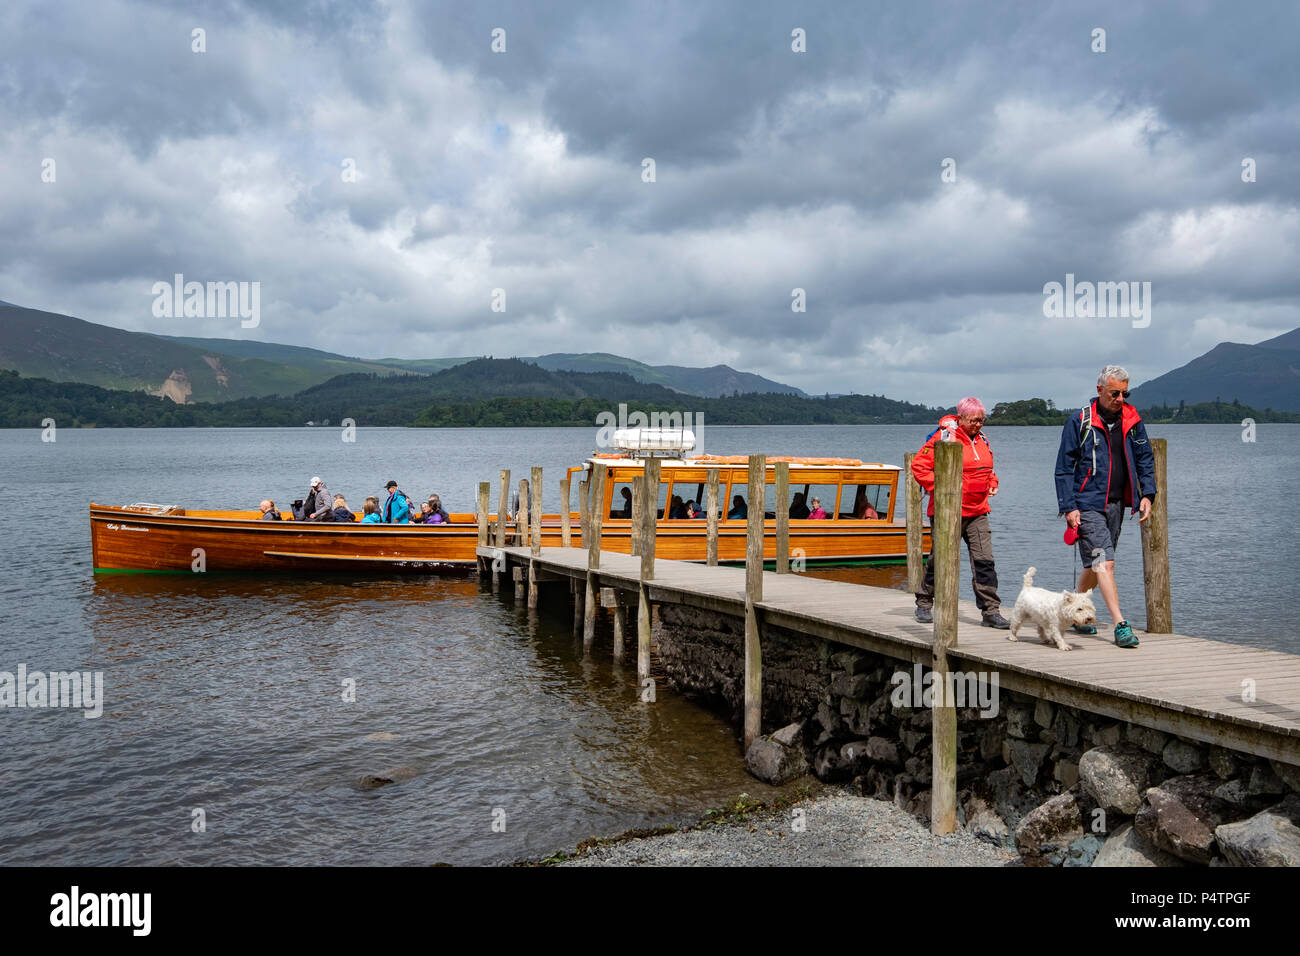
<point>1189,686</point>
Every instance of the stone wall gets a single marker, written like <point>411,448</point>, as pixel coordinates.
<point>1061,785</point>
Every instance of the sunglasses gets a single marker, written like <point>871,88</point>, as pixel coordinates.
<point>1114,391</point>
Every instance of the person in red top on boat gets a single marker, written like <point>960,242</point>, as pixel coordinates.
<point>979,483</point>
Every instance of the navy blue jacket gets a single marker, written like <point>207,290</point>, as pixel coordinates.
<point>1083,468</point>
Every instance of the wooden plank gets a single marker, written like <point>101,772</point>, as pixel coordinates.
<point>946,533</point>
<point>754,594</point>
<point>484,492</point>
<point>915,565</point>
<point>583,516</point>
<point>711,515</point>
<point>503,507</point>
<point>1155,548</point>
<point>648,529</point>
<point>566,517</point>
<point>595,524</point>
<point>535,512</point>
<point>782,491</point>
<point>521,516</point>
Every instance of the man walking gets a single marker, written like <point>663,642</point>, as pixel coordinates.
<point>1105,462</point>
<point>978,484</point>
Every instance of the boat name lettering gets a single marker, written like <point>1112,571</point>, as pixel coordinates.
<point>125,527</point>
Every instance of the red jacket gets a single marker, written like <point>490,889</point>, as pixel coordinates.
<point>978,479</point>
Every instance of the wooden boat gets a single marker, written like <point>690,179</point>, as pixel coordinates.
<point>155,538</point>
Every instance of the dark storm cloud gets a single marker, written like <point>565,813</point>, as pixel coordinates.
<point>775,170</point>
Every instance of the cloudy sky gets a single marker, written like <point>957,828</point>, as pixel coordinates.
<point>774,170</point>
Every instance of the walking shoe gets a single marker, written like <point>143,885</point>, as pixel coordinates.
<point>996,620</point>
<point>925,615</point>
<point>1083,629</point>
<point>1124,636</point>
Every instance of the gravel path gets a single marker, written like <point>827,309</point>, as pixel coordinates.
<point>839,829</point>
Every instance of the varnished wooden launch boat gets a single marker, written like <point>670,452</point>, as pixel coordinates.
<point>152,538</point>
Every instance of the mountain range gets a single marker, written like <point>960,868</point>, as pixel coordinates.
<point>1265,375</point>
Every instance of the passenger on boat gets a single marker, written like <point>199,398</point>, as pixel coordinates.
<point>692,511</point>
<point>818,513</point>
<point>371,515</point>
<point>341,512</point>
<point>268,511</point>
<point>319,503</point>
<point>978,483</point>
<point>797,507</point>
<point>861,506</point>
<point>738,508</point>
<point>676,507</point>
<point>626,510</point>
<point>396,510</point>
<point>435,505</point>
<point>418,515</point>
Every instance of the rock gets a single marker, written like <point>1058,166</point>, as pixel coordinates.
<point>1223,763</point>
<point>881,750</point>
<point>1010,799</point>
<point>854,756</point>
<point>1269,838</point>
<point>913,740</point>
<point>1287,773</point>
<point>1083,851</point>
<point>373,781</point>
<point>1107,736</point>
<point>856,686</point>
<point>790,735</point>
<point>1181,815</point>
<point>1236,794</point>
<point>1020,721</point>
<point>1182,757</point>
<point>773,763</point>
<point>922,719</point>
<point>824,737</point>
<point>1043,713</point>
<point>1066,727</point>
<point>1027,758</point>
<point>1264,782</point>
<point>1116,777</point>
<point>1048,830</point>
<point>919,768</point>
<point>984,823</point>
<point>1006,751</point>
<point>991,740</point>
<point>1149,739</point>
<point>881,712</point>
<point>828,717</point>
<point>1066,773</point>
<point>919,806</point>
<point>1127,847</point>
<point>851,662</point>
<point>827,765</point>
<point>879,783</point>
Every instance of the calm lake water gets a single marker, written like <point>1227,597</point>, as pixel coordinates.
<point>224,693</point>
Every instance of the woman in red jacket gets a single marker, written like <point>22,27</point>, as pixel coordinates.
<point>978,484</point>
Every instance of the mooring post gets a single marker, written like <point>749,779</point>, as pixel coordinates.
<point>595,514</point>
<point>503,507</point>
<point>583,517</point>
<point>609,599</point>
<point>754,594</point>
<point>535,512</point>
<point>915,567</point>
<point>782,470</point>
<point>521,516</point>
<point>566,531</point>
<point>634,529</point>
<point>946,536</point>
<point>649,527</point>
<point>520,579</point>
<point>711,513</point>
<point>1155,549</point>
<point>484,492</point>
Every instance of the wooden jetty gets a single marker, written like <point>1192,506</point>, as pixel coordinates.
<point>1178,684</point>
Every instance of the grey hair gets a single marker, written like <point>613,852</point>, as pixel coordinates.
<point>1116,372</point>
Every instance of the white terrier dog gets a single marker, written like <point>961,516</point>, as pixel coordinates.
<point>1051,611</point>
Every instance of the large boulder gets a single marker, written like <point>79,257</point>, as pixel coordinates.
<point>1116,776</point>
<point>1269,838</point>
<point>774,763</point>
<point>1127,847</point>
<point>1046,832</point>
<point>1027,758</point>
<point>1182,757</point>
<point>1181,815</point>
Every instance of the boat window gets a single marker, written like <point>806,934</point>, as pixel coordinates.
<point>856,499</point>
<point>620,505</point>
<point>825,493</point>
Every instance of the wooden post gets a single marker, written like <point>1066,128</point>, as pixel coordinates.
<point>595,516</point>
<point>577,588</point>
<point>1155,548</point>
<point>634,529</point>
<point>535,513</point>
<point>649,527</point>
<point>946,536</point>
<point>521,579</point>
<point>503,507</point>
<point>609,599</point>
<point>782,470</point>
<point>711,514</point>
<point>532,584</point>
<point>754,594</point>
<point>566,534</point>
<point>583,517</point>
<point>484,492</point>
<point>521,517</point>
<point>915,532</point>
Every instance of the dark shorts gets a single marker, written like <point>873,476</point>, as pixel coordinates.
<point>1100,531</point>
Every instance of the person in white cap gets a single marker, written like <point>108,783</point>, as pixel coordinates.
<point>319,507</point>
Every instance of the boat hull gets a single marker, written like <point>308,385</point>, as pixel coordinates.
<point>123,540</point>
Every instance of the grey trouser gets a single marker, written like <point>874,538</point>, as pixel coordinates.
<point>984,578</point>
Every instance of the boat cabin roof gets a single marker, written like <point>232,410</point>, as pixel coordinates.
<point>714,461</point>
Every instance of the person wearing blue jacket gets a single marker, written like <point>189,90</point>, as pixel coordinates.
<point>1104,464</point>
<point>396,510</point>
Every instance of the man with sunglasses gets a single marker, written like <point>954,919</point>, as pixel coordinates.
<point>1105,462</point>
